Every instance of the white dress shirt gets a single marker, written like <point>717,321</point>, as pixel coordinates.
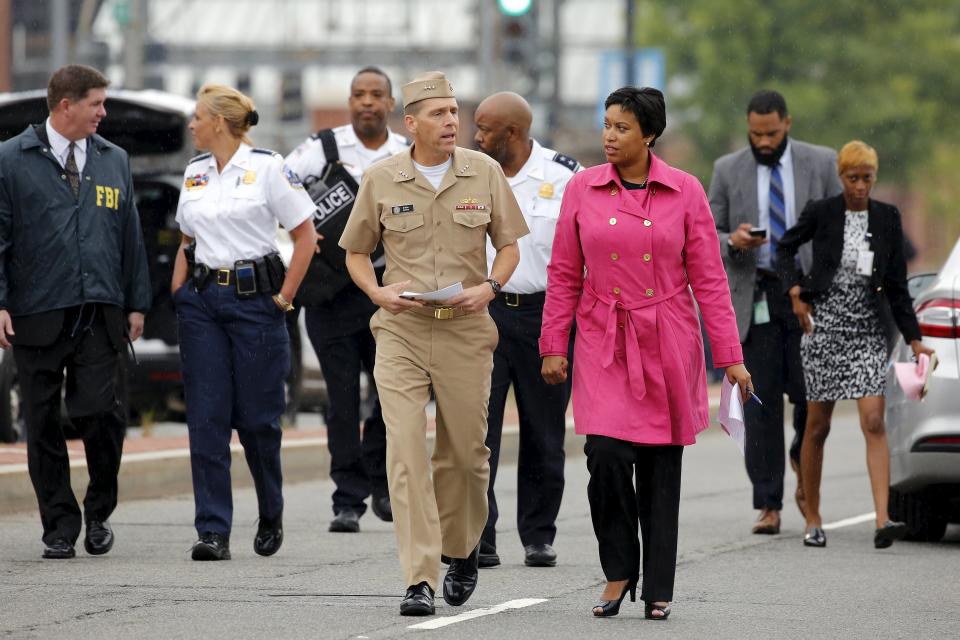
<point>60,146</point>
<point>308,159</point>
<point>538,188</point>
<point>764,258</point>
<point>233,214</point>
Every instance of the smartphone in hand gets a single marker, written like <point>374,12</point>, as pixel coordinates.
<point>758,232</point>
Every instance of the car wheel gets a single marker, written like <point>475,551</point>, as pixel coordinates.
<point>925,516</point>
<point>11,418</point>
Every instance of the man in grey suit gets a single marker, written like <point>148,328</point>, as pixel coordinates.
<point>756,194</point>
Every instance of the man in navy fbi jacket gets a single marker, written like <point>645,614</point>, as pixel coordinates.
<point>73,291</point>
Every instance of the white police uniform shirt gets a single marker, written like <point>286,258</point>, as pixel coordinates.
<point>538,187</point>
<point>233,214</point>
<point>308,159</point>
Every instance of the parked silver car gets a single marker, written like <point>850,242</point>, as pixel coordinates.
<point>925,436</point>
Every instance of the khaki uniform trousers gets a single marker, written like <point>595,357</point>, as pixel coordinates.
<point>414,353</point>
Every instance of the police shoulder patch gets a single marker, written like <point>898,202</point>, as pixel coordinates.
<point>202,156</point>
<point>567,161</point>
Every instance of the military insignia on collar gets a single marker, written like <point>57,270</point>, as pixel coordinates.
<point>292,178</point>
<point>198,181</point>
<point>546,190</point>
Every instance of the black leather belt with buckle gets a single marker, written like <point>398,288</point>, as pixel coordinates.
<point>522,299</point>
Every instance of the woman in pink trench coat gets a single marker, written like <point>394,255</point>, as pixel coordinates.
<point>634,237</point>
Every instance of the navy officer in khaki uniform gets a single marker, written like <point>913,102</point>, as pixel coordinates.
<point>433,207</point>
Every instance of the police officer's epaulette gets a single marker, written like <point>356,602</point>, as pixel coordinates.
<point>267,152</point>
<point>202,156</point>
<point>567,161</point>
<point>317,135</point>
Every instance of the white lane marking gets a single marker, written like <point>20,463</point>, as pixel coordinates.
<point>849,522</point>
<point>477,613</point>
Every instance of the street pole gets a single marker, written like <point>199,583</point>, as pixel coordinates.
<point>485,52</point>
<point>59,32</point>
<point>133,43</point>
<point>628,65</point>
<point>6,46</point>
<point>554,110</point>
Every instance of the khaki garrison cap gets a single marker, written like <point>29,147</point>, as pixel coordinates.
<point>431,84</point>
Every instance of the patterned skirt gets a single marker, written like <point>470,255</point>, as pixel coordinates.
<point>846,355</point>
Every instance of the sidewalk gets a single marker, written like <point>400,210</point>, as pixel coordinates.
<point>156,460</point>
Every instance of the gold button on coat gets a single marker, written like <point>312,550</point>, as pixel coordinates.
<point>614,256</point>
<point>613,192</point>
<point>647,223</point>
<point>613,221</point>
<point>616,290</point>
<point>649,293</point>
<point>646,257</point>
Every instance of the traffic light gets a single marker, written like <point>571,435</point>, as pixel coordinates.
<point>518,32</point>
<point>515,7</point>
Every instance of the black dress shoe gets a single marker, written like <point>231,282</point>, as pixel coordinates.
<point>814,537</point>
<point>890,531</point>
<point>461,578</point>
<point>418,601</point>
<point>539,555</point>
<point>211,546</point>
<point>488,556</point>
<point>269,536</point>
<point>345,522</point>
<point>98,539</point>
<point>59,549</point>
<point>381,508</point>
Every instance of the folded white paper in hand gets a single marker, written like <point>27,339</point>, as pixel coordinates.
<point>731,413</point>
<point>914,377</point>
<point>435,296</point>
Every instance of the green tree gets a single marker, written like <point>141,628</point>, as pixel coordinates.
<point>885,71</point>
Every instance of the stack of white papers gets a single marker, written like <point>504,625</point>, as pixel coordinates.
<point>731,413</point>
<point>435,296</point>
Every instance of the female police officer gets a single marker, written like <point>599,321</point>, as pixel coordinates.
<point>231,296</point>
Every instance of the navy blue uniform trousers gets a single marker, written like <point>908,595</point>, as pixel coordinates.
<point>542,408</point>
<point>235,355</point>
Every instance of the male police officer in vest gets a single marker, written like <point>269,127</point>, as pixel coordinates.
<point>538,177</point>
<point>433,207</point>
<point>331,163</point>
<point>73,289</point>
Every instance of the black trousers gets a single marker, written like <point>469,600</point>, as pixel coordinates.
<point>357,461</point>
<point>772,355</point>
<point>91,362</point>
<point>631,485</point>
<point>542,409</point>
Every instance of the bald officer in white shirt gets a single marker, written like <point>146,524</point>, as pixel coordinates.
<point>538,177</point>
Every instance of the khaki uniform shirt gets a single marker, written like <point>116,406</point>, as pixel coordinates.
<point>434,238</point>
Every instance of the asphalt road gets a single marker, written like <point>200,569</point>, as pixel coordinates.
<point>730,584</point>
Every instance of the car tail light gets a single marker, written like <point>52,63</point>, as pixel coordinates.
<point>945,444</point>
<point>939,318</point>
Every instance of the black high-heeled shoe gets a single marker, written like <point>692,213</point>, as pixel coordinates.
<point>610,608</point>
<point>650,607</point>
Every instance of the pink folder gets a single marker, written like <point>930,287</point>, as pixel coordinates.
<point>914,377</point>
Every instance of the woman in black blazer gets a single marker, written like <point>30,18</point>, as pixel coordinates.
<point>857,261</point>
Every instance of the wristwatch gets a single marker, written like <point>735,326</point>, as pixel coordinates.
<point>494,285</point>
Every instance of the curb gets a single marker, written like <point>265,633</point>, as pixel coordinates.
<point>160,474</point>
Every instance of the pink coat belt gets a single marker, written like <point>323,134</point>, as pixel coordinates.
<point>633,354</point>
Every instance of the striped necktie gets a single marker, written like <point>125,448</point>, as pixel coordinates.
<point>73,174</point>
<point>778,211</point>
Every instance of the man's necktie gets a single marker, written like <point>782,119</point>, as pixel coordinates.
<point>778,212</point>
<point>73,174</point>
